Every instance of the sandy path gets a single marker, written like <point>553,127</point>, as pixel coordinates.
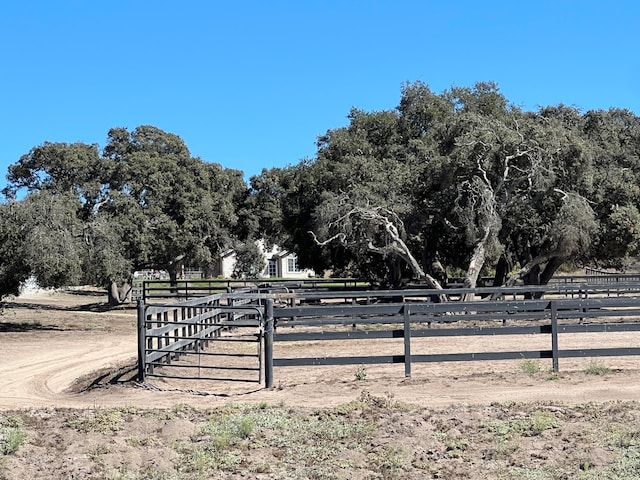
<point>36,370</point>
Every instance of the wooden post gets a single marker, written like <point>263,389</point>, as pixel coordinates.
<point>141,341</point>
<point>554,336</point>
<point>268,344</point>
<point>407,341</point>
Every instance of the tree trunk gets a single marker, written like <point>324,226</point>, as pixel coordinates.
<point>531,273</point>
<point>119,294</point>
<point>473,271</point>
<point>475,265</point>
<point>401,249</point>
<point>532,278</point>
<point>542,277</point>
<point>550,269</point>
<point>502,270</point>
<point>434,267</point>
<point>173,279</point>
<point>395,273</point>
<point>422,275</point>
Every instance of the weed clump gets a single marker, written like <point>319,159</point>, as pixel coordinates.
<point>530,366</point>
<point>598,368</point>
<point>361,373</point>
<point>12,435</point>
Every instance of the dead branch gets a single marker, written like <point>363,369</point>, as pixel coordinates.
<point>395,245</point>
<point>340,236</point>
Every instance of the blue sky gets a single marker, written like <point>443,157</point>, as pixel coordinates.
<point>251,84</point>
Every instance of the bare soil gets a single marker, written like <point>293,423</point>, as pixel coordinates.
<point>66,357</point>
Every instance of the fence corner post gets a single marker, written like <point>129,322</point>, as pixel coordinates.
<point>554,336</point>
<point>268,344</point>
<point>141,341</point>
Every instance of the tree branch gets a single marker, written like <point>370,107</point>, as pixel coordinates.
<point>340,236</point>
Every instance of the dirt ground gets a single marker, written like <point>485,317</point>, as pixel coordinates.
<point>65,355</point>
<point>59,347</point>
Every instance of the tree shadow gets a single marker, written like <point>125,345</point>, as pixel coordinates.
<point>86,293</point>
<point>14,327</point>
<point>98,307</point>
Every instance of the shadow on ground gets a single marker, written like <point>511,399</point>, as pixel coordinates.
<point>15,327</point>
<point>123,375</point>
<point>98,307</point>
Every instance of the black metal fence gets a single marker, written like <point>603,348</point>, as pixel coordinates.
<point>152,290</point>
<point>409,321</point>
<point>203,329</point>
<point>201,326</point>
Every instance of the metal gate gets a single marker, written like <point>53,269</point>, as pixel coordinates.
<point>211,338</point>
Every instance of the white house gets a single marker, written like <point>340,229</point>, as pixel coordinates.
<point>278,263</point>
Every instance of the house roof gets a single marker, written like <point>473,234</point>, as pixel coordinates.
<point>282,254</point>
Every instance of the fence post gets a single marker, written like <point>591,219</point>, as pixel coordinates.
<point>407,342</point>
<point>141,341</point>
<point>554,335</point>
<point>268,344</point>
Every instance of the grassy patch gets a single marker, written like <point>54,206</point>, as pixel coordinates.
<point>455,445</point>
<point>624,438</point>
<point>304,446</point>
<point>103,421</point>
<point>530,366</point>
<point>387,460</point>
<point>12,434</point>
<point>596,367</point>
<point>528,426</point>
<point>627,467</point>
<point>367,402</point>
<point>11,438</point>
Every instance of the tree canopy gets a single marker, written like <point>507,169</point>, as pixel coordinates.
<point>468,181</point>
<point>457,182</point>
<point>143,202</point>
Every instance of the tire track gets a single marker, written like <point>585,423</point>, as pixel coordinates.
<point>37,372</point>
